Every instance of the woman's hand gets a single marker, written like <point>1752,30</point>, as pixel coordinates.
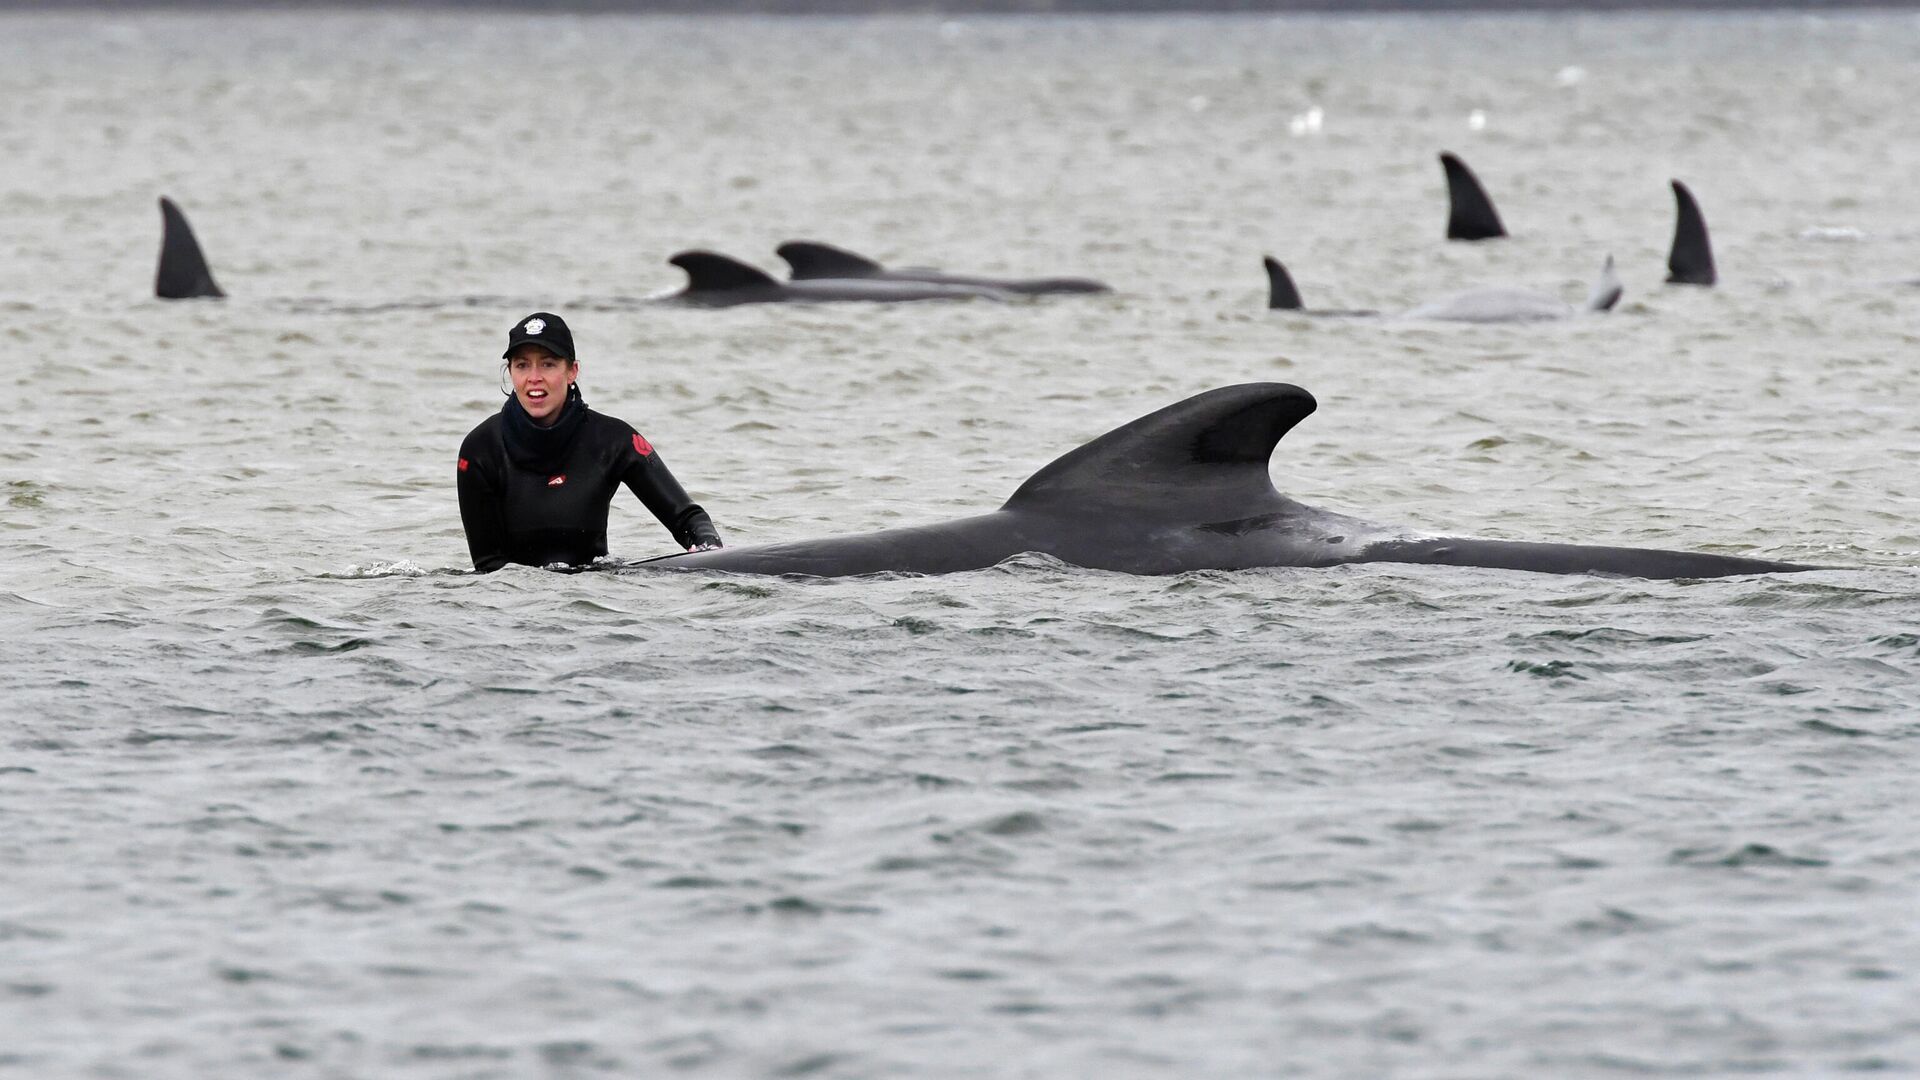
<point>705,547</point>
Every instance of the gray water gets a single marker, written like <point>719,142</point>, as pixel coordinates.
<point>284,794</point>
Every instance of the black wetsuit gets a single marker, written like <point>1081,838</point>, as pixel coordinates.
<point>539,496</point>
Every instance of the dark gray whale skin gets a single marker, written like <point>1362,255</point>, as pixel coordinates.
<point>715,280</point>
<point>183,273</point>
<point>1470,212</point>
<point>810,260</point>
<point>1186,488</point>
<point>1690,258</point>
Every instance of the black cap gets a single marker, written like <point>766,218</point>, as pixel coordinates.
<point>542,328</point>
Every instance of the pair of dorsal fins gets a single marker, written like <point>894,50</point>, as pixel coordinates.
<point>809,260</point>
<point>1471,216</point>
<point>1283,295</point>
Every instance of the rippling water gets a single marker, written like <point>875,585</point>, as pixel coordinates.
<point>286,794</point>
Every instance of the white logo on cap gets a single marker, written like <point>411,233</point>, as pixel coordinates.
<point>534,326</point>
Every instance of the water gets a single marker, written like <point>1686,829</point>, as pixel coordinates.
<point>286,795</point>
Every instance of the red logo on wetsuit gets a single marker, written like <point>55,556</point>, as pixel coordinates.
<point>556,481</point>
<point>463,464</point>
<point>641,446</point>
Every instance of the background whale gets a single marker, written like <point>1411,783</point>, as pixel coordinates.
<point>715,280</point>
<point>183,272</point>
<point>1487,305</point>
<point>1470,213</point>
<point>1282,295</point>
<point>1690,260</point>
<point>1186,488</point>
<point>810,260</point>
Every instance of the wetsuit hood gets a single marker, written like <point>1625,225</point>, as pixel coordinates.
<point>541,449</point>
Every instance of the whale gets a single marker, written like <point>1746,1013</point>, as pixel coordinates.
<point>810,260</point>
<point>1484,305</point>
<point>1188,487</point>
<point>183,273</point>
<point>1283,295</point>
<point>715,280</point>
<point>1470,213</point>
<point>1690,259</point>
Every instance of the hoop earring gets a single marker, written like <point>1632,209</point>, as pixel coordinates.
<point>505,388</point>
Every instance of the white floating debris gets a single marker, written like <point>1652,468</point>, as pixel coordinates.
<point>1571,75</point>
<point>1309,122</point>
<point>1477,120</point>
<point>1840,234</point>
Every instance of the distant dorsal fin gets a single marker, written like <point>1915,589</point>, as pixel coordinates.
<point>711,272</point>
<point>1281,295</point>
<point>1470,214</point>
<point>183,272</point>
<point>1191,456</point>
<point>1606,289</point>
<point>810,259</point>
<point>1690,262</point>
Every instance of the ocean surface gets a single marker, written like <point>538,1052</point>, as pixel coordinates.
<point>286,792</point>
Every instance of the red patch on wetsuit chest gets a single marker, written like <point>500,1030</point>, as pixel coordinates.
<point>641,446</point>
<point>556,481</point>
<point>463,464</point>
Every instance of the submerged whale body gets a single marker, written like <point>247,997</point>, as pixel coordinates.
<point>183,272</point>
<point>1470,213</point>
<point>813,261</point>
<point>715,280</point>
<point>1489,305</point>
<point>1690,259</point>
<point>1186,488</point>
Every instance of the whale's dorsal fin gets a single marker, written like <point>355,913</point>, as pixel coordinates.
<point>1470,214</point>
<point>1209,450</point>
<point>810,259</point>
<point>183,272</point>
<point>711,272</point>
<point>1690,262</point>
<point>1281,295</point>
<point>1606,289</point>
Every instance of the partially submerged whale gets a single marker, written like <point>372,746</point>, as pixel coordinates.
<point>1187,488</point>
<point>183,272</point>
<point>715,280</point>
<point>1282,295</point>
<point>1690,260</point>
<point>1470,213</point>
<point>1488,305</point>
<point>811,261</point>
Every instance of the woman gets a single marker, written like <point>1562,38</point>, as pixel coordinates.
<point>536,478</point>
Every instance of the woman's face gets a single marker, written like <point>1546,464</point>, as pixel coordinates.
<point>540,381</point>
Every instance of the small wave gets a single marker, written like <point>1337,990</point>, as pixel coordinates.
<point>1833,234</point>
<point>401,568</point>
